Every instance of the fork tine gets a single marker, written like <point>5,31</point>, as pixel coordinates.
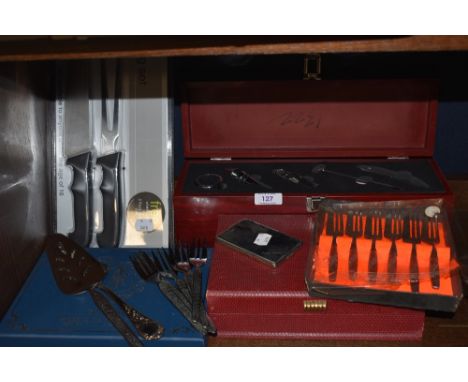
<point>158,258</point>
<point>193,250</point>
<point>163,259</point>
<point>200,249</point>
<point>177,252</point>
<point>150,265</point>
<point>137,266</point>
<point>140,258</point>
<point>182,254</point>
<point>169,256</point>
<point>154,259</point>
<point>203,250</point>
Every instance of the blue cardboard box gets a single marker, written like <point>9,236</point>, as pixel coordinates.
<point>41,315</point>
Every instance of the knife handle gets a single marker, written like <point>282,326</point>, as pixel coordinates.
<point>111,200</point>
<point>110,313</point>
<point>81,189</point>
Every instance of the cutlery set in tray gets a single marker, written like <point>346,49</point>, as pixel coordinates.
<point>178,275</point>
<point>177,272</point>
<point>395,252</point>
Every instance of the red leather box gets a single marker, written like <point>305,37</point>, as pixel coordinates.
<point>248,299</point>
<point>301,126</point>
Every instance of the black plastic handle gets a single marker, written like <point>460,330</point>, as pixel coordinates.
<point>333,261</point>
<point>111,200</point>
<point>434,268</point>
<point>373,263</point>
<point>392,263</point>
<point>81,189</point>
<point>353,260</point>
<point>414,270</point>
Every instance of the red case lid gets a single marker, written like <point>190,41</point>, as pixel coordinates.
<point>307,119</point>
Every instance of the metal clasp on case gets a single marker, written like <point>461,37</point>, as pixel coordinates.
<point>312,67</point>
<point>314,305</point>
<point>313,202</point>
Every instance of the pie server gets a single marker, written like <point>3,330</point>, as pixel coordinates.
<point>76,271</point>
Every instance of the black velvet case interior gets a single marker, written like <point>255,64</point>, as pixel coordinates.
<point>323,177</point>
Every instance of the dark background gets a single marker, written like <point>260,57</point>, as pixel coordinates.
<point>449,68</point>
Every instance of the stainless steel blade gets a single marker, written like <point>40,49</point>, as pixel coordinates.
<point>77,144</point>
<point>111,91</point>
<point>77,131</point>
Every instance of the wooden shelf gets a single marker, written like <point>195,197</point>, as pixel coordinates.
<point>36,48</point>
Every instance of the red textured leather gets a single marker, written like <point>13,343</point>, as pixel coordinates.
<point>248,299</point>
<point>305,119</point>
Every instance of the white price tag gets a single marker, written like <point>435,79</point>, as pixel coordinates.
<point>262,239</point>
<point>144,225</point>
<point>268,199</point>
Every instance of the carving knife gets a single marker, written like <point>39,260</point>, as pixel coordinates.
<point>77,136</point>
<point>110,159</point>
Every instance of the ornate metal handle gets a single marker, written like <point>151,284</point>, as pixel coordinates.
<point>108,311</point>
<point>146,327</point>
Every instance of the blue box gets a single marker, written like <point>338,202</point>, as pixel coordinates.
<point>41,315</point>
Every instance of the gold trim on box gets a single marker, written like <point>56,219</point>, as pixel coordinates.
<point>314,305</point>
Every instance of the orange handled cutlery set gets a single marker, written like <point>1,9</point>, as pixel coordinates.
<point>404,249</point>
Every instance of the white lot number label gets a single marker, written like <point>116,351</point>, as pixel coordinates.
<point>268,199</point>
<point>262,239</point>
<point>144,225</point>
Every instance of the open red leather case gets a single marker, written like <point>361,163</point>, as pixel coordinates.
<point>281,147</point>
